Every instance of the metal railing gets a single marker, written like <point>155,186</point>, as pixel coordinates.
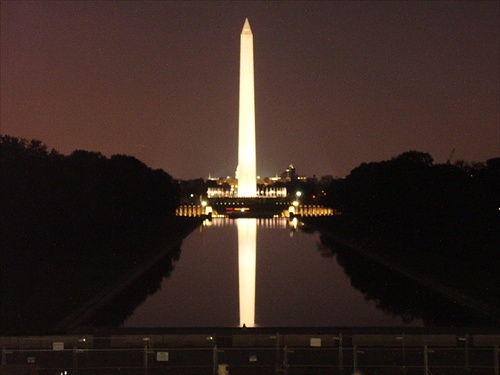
<point>252,354</point>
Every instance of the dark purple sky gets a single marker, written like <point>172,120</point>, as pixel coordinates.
<point>337,83</point>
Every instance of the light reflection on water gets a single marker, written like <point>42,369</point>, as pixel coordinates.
<point>257,272</point>
<point>247,255</point>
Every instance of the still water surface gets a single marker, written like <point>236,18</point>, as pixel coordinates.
<point>258,272</point>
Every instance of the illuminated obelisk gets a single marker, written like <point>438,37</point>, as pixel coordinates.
<point>247,174</point>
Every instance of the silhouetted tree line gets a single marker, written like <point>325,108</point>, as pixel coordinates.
<point>193,190</point>
<point>411,194</point>
<point>85,190</point>
<point>70,225</point>
<point>438,221</point>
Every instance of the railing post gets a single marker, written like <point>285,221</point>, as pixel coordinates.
<point>355,357</point>
<point>278,365</point>
<point>215,359</point>
<point>145,360</point>
<point>426,361</point>
<point>75,360</point>
<point>466,352</point>
<point>285,360</point>
<point>341,352</point>
<point>4,357</point>
<point>404,355</point>
<point>495,359</point>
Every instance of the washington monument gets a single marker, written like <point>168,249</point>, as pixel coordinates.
<point>247,175</point>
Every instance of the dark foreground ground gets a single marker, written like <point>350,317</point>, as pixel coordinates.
<point>256,351</point>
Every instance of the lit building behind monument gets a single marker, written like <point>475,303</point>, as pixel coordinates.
<point>247,170</point>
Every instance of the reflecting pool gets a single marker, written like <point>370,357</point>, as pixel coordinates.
<point>260,272</point>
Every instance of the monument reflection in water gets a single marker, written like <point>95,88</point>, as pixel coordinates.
<point>247,261</point>
<point>219,280</point>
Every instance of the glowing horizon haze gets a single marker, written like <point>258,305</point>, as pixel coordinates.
<point>337,83</point>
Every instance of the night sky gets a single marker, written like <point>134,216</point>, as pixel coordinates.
<point>336,83</point>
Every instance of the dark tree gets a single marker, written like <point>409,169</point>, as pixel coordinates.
<point>65,220</point>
